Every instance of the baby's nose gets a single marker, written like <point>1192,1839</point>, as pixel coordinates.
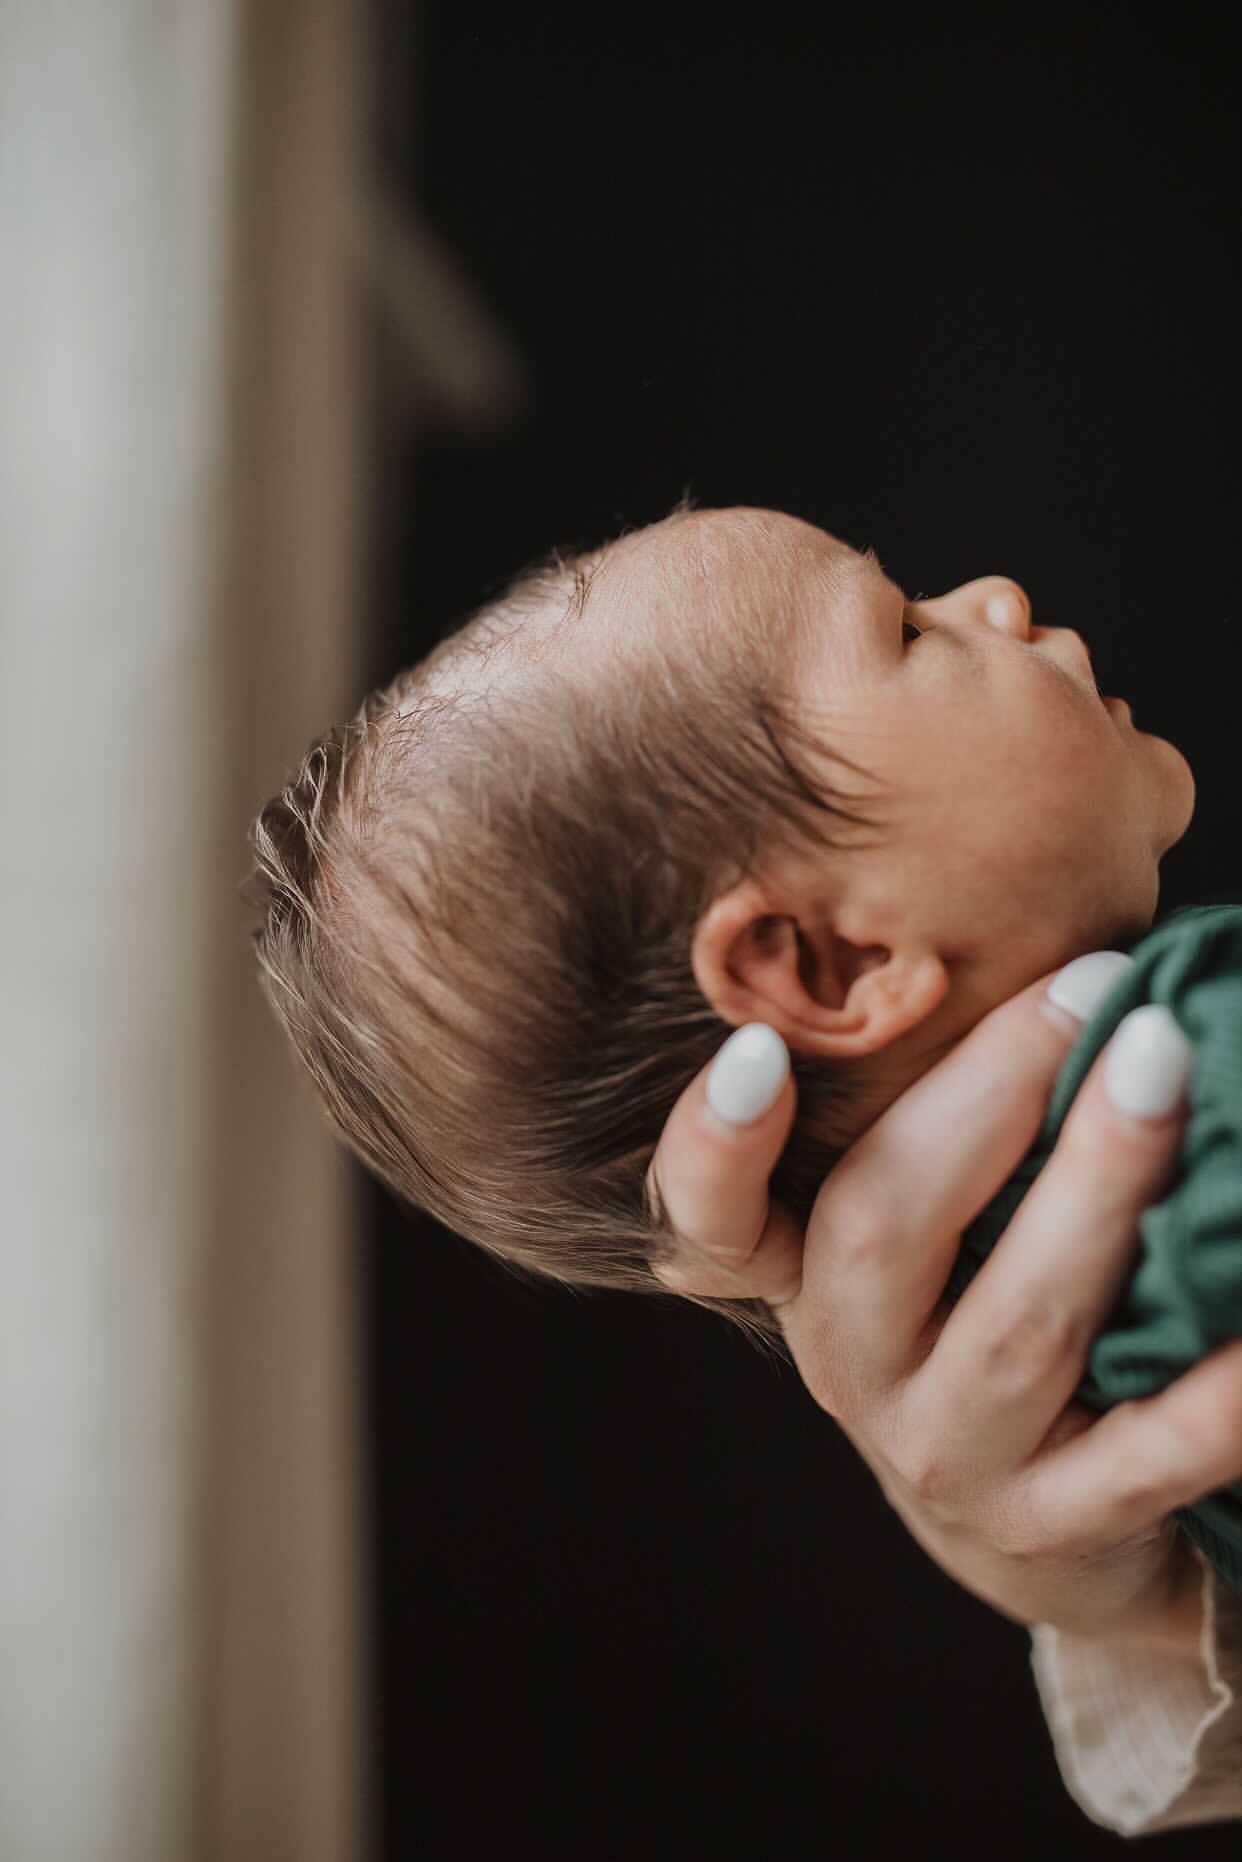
<point>1006,605</point>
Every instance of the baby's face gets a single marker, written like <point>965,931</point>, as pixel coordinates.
<point>1020,809</point>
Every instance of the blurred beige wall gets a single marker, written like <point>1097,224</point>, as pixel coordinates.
<point>180,1646</point>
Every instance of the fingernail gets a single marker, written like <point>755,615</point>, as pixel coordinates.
<point>1082,985</point>
<point>747,1074</point>
<point>1149,1063</point>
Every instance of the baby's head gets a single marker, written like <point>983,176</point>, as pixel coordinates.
<point>719,770</point>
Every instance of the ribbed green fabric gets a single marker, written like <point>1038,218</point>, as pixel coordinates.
<point>1184,1297</point>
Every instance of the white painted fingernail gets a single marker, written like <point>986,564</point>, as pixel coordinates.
<point>1149,1062</point>
<point>747,1074</point>
<point>1082,985</point>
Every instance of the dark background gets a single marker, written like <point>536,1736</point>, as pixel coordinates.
<point>970,297</point>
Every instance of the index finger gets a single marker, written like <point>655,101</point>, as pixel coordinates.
<point>887,1226</point>
<point>717,1234</point>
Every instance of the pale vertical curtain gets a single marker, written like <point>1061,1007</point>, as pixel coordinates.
<point>180,1648</point>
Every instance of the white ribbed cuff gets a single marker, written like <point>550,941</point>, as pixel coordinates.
<point>1130,1726</point>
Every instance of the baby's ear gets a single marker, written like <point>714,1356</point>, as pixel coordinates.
<point>754,964</point>
<point>823,993</point>
<point>884,999</point>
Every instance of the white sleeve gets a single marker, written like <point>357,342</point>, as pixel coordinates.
<point>1149,1740</point>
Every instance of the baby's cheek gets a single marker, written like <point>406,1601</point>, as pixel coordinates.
<point>1074,755</point>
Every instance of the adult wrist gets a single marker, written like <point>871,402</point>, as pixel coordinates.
<point>1171,1621</point>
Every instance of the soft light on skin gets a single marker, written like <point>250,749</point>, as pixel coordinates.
<point>1024,820</point>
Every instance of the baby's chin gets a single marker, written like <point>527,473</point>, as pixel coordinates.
<point>1186,795</point>
<point>1173,804</point>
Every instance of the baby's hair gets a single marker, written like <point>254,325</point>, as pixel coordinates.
<point>480,894</point>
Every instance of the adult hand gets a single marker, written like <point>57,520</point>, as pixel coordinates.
<point>1046,1510</point>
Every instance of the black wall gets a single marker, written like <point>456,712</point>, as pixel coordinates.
<point>969,297</point>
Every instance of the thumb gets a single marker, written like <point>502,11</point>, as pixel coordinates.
<point>718,1235</point>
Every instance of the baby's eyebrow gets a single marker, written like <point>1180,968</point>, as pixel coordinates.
<point>584,573</point>
<point>874,568</point>
<point>868,570</point>
<point>561,574</point>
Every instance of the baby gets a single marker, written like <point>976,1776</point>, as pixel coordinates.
<point>723,770</point>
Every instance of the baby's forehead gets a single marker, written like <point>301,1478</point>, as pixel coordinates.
<point>740,570</point>
<point>761,555</point>
<point>737,539</point>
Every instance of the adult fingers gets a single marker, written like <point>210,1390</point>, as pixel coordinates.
<point>1014,1348</point>
<point>716,1233</point>
<point>886,1228</point>
<point>1126,1472</point>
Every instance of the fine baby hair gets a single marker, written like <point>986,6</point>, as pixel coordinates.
<point>479,895</point>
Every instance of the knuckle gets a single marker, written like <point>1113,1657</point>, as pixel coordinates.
<point>1021,1536</point>
<point>856,1248</point>
<point>1016,1538</point>
<point>920,1453</point>
<point>929,1479</point>
<point>1141,1491</point>
<point>1150,1444</point>
<point>1031,1339</point>
<point>856,1236</point>
<point>1196,1440</point>
<point>923,1470</point>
